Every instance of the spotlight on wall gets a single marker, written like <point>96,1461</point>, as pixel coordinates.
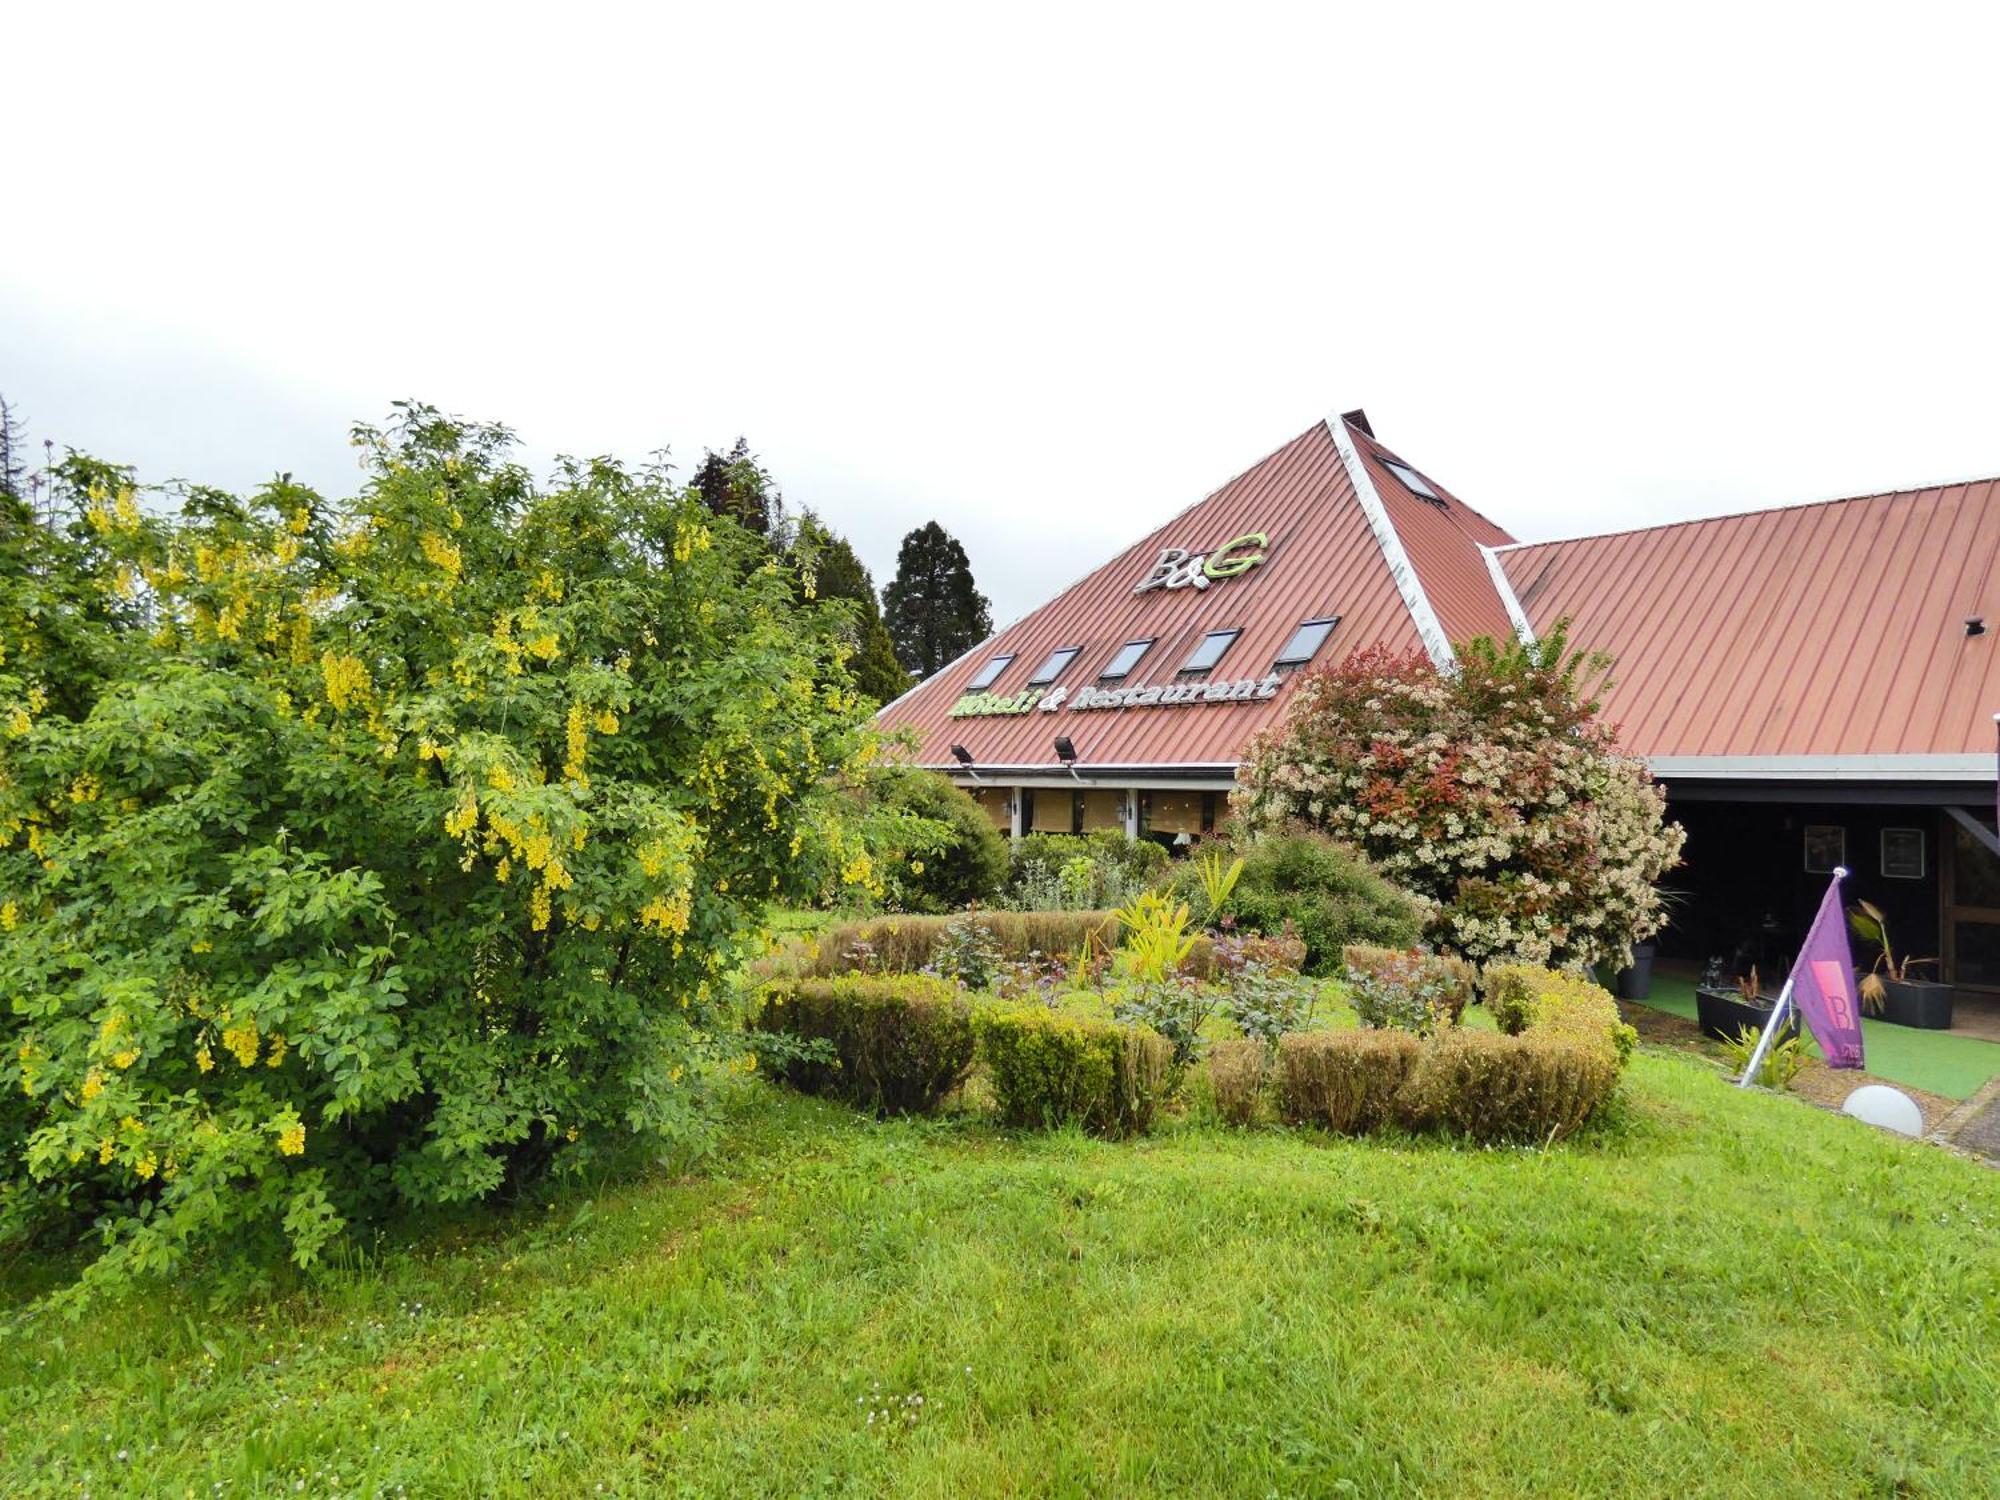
<point>1976,625</point>
<point>1065,751</point>
<point>962,755</point>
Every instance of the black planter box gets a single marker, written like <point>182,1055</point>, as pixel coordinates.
<point>1725,1013</point>
<point>1636,983</point>
<point>1917,1002</point>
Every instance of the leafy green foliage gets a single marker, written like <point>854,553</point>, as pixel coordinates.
<point>934,611</point>
<point>829,570</point>
<point>1324,890</point>
<point>1051,1069</point>
<point>1177,1006</point>
<point>899,1044</point>
<point>371,853</point>
<point>1157,942</point>
<point>1785,1060</point>
<point>938,850</point>
<point>1081,872</point>
<point>967,954</point>
<point>1397,987</point>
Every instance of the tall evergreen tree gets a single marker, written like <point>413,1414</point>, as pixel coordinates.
<point>735,485</point>
<point>933,610</point>
<point>835,572</point>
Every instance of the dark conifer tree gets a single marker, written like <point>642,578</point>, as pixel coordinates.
<point>933,610</point>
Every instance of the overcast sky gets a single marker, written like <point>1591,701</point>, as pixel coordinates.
<point>1045,274</point>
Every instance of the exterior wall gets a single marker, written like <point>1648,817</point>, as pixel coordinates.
<point>1745,893</point>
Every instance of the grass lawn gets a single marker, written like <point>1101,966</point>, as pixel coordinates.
<point>1715,1293</point>
<point>1954,1066</point>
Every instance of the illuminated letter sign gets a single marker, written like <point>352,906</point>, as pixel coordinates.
<point>1179,568</point>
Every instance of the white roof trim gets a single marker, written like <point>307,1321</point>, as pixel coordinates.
<point>1977,767</point>
<point>1430,630</point>
<point>1516,616</point>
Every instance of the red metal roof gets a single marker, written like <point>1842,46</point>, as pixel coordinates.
<point>1835,629</point>
<point>1322,558</point>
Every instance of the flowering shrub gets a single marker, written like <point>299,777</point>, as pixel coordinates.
<point>363,853</point>
<point>1405,991</point>
<point>1493,793</point>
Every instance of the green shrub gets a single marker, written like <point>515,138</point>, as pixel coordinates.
<point>947,853</point>
<point>374,853</point>
<point>1088,871</point>
<point>1051,1069</point>
<point>909,944</point>
<point>1343,1080</point>
<point>1238,1070</point>
<point>899,1044</point>
<point>1538,1086</point>
<point>1415,992</point>
<point>1523,997</point>
<point>1329,894</point>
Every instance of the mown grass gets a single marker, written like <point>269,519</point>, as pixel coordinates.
<point>1714,1293</point>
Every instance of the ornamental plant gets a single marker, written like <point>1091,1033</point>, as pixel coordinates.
<point>1493,793</point>
<point>370,853</point>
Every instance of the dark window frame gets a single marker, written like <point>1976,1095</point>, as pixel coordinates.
<point>989,674</point>
<point>1233,634</point>
<point>1285,659</point>
<point>1051,669</point>
<point>1146,644</point>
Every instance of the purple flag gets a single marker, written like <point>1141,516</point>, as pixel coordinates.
<point>1823,984</point>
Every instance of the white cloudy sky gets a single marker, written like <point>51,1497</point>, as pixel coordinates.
<point>1045,273</point>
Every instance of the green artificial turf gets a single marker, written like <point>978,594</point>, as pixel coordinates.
<point>1938,1061</point>
<point>1711,1293</point>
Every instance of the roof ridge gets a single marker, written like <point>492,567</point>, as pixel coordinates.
<point>1755,510</point>
<point>1409,584</point>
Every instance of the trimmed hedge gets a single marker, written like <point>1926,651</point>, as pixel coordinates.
<point>900,1043</point>
<point>1346,1081</point>
<point>1534,1087</point>
<point>905,945</point>
<point>1238,1069</point>
<point>1523,997</point>
<point>1050,1069</point>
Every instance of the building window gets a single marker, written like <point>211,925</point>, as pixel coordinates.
<point>1306,641</point>
<point>1050,670</point>
<point>987,673</point>
<point>1414,482</point>
<point>1210,651</point>
<point>1903,853</point>
<point>1127,658</point>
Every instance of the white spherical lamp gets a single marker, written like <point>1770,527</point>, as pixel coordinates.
<point>1892,1109</point>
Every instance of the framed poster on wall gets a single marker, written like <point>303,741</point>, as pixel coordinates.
<point>1826,848</point>
<point>1903,853</point>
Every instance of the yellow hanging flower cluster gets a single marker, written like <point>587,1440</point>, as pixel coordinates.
<point>347,680</point>
<point>577,734</point>
<point>444,555</point>
<point>86,788</point>
<point>292,1139</point>
<point>242,1041</point>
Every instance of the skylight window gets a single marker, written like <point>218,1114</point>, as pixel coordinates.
<point>1058,662</point>
<point>1127,658</point>
<point>1414,482</point>
<point>1306,641</point>
<point>987,673</point>
<point>1210,651</point>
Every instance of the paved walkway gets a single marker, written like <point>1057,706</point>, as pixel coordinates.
<point>1974,1127</point>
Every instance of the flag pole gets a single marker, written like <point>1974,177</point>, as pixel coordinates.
<point>1777,1022</point>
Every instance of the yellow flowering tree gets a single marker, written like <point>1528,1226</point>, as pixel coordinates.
<point>365,853</point>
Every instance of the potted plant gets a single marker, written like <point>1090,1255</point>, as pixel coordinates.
<point>1887,990</point>
<point>1724,1007</point>
<point>1635,981</point>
